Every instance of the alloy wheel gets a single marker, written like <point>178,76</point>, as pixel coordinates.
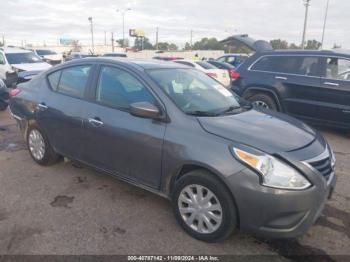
<point>261,104</point>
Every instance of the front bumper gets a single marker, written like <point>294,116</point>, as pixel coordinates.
<point>276,213</point>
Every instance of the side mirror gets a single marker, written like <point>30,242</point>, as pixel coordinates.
<point>2,62</point>
<point>145,110</point>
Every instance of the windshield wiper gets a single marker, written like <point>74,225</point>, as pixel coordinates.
<point>201,113</point>
<point>230,109</point>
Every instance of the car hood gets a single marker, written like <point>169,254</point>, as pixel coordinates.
<point>32,66</point>
<point>251,43</point>
<point>270,132</point>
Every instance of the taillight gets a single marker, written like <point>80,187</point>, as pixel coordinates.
<point>234,74</point>
<point>14,92</point>
<point>213,75</point>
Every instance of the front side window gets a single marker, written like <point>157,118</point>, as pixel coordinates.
<point>23,58</point>
<point>194,92</point>
<point>338,69</point>
<point>297,65</point>
<point>70,81</point>
<point>118,88</point>
<point>222,59</point>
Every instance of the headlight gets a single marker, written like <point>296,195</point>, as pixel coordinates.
<point>333,160</point>
<point>274,172</point>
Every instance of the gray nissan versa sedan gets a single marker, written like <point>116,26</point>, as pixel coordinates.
<point>175,131</point>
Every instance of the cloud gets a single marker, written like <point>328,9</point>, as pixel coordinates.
<point>39,20</point>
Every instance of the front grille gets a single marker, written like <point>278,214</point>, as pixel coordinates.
<point>323,166</point>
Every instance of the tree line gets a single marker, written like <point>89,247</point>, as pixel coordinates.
<point>214,44</point>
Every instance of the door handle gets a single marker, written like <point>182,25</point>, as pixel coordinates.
<point>331,84</point>
<point>42,106</point>
<point>281,77</point>
<point>95,122</point>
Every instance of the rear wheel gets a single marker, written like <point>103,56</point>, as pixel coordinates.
<point>3,106</point>
<point>204,207</point>
<point>39,147</point>
<point>265,101</point>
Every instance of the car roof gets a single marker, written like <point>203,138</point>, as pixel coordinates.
<point>139,64</point>
<point>13,50</point>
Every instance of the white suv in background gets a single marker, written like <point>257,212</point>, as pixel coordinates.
<point>49,56</point>
<point>21,63</point>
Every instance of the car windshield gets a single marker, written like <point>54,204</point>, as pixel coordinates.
<point>45,52</point>
<point>194,92</point>
<point>23,58</point>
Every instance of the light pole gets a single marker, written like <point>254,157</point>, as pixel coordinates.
<point>307,4</point>
<point>123,11</point>
<point>324,24</point>
<point>92,34</point>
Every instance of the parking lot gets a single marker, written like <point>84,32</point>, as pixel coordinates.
<point>67,209</point>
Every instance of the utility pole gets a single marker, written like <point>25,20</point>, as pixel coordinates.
<point>324,24</point>
<point>191,39</point>
<point>307,4</point>
<point>157,38</point>
<point>112,39</point>
<point>92,34</point>
<point>123,11</point>
<point>105,38</point>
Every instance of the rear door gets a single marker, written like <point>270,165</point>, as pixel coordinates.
<point>60,109</point>
<point>115,140</point>
<point>296,79</point>
<point>334,106</point>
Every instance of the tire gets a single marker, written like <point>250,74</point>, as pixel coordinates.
<point>205,181</point>
<point>3,106</point>
<point>263,100</point>
<point>47,156</point>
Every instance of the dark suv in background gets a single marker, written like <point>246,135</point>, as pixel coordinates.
<point>311,85</point>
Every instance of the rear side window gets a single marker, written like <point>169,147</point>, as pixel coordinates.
<point>118,88</point>
<point>297,65</point>
<point>71,81</point>
<point>338,69</point>
<point>54,79</point>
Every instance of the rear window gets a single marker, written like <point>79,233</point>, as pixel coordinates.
<point>205,65</point>
<point>298,65</point>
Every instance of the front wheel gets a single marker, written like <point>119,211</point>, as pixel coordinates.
<point>40,148</point>
<point>204,207</point>
<point>265,101</point>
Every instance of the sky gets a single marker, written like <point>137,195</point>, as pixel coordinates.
<point>36,21</point>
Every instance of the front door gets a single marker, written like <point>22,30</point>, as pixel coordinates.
<point>115,140</point>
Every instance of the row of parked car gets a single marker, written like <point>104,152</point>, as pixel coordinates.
<point>311,85</point>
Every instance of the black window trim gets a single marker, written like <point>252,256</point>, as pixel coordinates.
<point>306,55</point>
<point>88,84</point>
<point>93,97</point>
